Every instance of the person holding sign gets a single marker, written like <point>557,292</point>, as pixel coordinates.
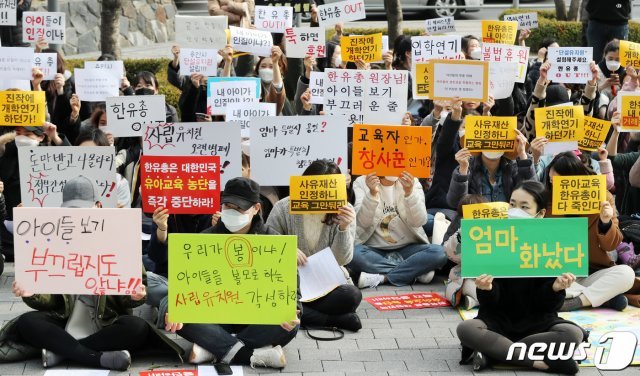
<point>147,84</point>
<point>609,72</point>
<point>471,47</point>
<point>316,232</point>
<point>627,198</point>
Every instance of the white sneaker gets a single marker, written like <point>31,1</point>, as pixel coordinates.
<point>272,357</point>
<point>426,278</point>
<point>369,280</point>
<point>199,355</point>
<point>468,302</point>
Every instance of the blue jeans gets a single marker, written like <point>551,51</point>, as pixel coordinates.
<point>599,34</point>
<point>401,266</point>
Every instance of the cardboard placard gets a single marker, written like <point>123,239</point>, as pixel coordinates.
<point>578,195</point>
<point>315,194</point>
<point>23,108</point>
<point>490,133</point>
<point>126,116</point>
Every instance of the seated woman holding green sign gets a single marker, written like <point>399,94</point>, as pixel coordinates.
<point>523,310</point>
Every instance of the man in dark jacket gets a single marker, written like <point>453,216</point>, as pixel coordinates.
<point>608,19</point>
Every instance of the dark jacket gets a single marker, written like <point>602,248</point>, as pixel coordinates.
<point>627,197</point>
<point>11,36</point>
<point>195,101</point>
<point>613,12</point>
<point>447,145</point>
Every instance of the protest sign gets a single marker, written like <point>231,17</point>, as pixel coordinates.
<point>629,54</point>
<point>49,26</point>
<point>423,80</point>
<point>502,53</point>
<point>499,31</point>
<point>170,372</point>
<point>127,115</point>
<point>8,12</point>
<point>24,85</point>
<point>16,63</point>
<point>407,301</point>
<point>78,251</point>
<point>114,67</point>
<point>206,32</point>
<point>490,133</point>
<point>197,139</point>
<point>526,21</point>
<point>243,112</point>
<point>47,63</point>
<point>578,195</point>
<point>561,124</point>
<point>341,11</point>
<point>487,210</point>
<point>184,185</point>
<point>200,61</point>
<point>315,194</point>
<point>222,91</point>
<point>364,47</point>
<point>273,19</point>
<point>570,64</point>
<point>502,79</point>
<point>629,108</point>
<point>375,96</point>
<point>232,279</point>
<point>595,133</point>
<point>468,80</point>
<point>299,6</point>
<point>440,25</point>
<point>292,143</point>
<point>305,41</point>
<point>95,85</point>
<point>23,108</point>
<point>253,41</point>
<point>516,248</point>
<point>316,85</point>
<point>425,48</point>
<point>391,150</point>
<point>45,171</point>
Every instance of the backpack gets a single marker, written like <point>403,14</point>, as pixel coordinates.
<point>630,227</point>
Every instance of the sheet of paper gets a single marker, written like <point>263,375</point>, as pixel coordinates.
<point>76,372</point>
<point>320,275</point>
<point>553,148</point>
<point>211,371</point>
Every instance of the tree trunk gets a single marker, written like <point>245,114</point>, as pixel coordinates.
<point>394,19</point>
<point>561,10</point>
<point>574,8</point>
<point>110,27</point>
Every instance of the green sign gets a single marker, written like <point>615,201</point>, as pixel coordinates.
<point>525,247</point>
<point>232,279</point>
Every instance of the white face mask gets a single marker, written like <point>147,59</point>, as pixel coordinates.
<point>391,178</point>
<point>475,53</point>
<point>266,75</point>
<point>338,61</point>
<point>613,65</point>
<point>517,213</point>
<point>444,114</point>
<point>234,220</point>
<point>493,154</point>
<point>24,141</point>
<point>461,133</point>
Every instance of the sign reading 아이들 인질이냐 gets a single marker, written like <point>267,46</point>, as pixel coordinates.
<point>273,19</point>
<point>595,133</point>
<point>525,20</point>
<point>367,48</point>
<point>341,11</point>
<point>515,248</point>
<point>629,108</point>
<point>243,112</point>
<point>96,85</point>
<point>499,31</point>
<point>578,195</point>
<point>305,41</point>
<point>570,64</point>
<point>232,279</point>
<point>315,194</point>
<point>440,25</point>
<point>487,210</point>
<point>22,108</point>
<point>257,42</point>
<point>126,116</point>
<point>16,63</point>
<point>8,12</point>
<point>225,90</point>
<point>207,32</point>
<point>204,62</point>
<point>78,251</point>
<point>49,26</point>
<point>468,80</point>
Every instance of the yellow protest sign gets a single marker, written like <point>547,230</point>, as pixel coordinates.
<point>578,195</point>
<point>488,210</point>
<point>629,108</point>
<point>503,32</point>
<point>595,132</point>
<point>629,54</point>
<point>365,47</point>
<point>232,279</point>
<point>466,79</point>
<point>561,123</point>
<point>317,194</point>
<point>423,80</point>
<point>22,108</point>
<point>490,133</point>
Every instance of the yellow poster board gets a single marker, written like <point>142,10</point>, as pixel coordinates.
<point>595,132</point>
<point>629,54</point>
<point>23,108</point>
<point>488,210</point>
<point>578,195</point>
<point>560,124</point>
<point>490,133</point>
<point>502,32</point>
<point>629,108</point>
<point>466,79</point>
<point>423,80</point>
<point>365,47</point>
<point>316,194</point>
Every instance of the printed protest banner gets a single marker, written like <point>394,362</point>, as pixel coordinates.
<point>78,251</point>
<point>365,47</point>
<point>407,301</point>
<point>579,195</point>
<point>502,79</point>
<point>253,41</point>
<point>8,12</point>
<point>391,150</point>
<point>515,248</point>
<point>45,171</point>
<point>315,194</point>
<point>197,139</point>
<point>468,80</point>
<point>499,31</point>
<point>114,67</point>
<point>243,112</point>
<point>561,124</point>
<point>423,80</point>
<point>305,41</point>
<point>487,210</point>
<point>425,48</point>
<point>232,279</point>
<point>570,64</point>
<point>316,84</point>
<point>200,61</point>
<point>490,133</point>
<point>16,63</point>
<point>629,54</point>
<point>49,26</point>
<point>222,91</point>
<point>292,143</point>
<point>207,32</point>
<point>503,53</point>
<point>273,19</point>
<point>127,115</point>
<point>629,108</point>
<point>595,132</point>
<point>172,372</point>
<point>440,25</point>
<point>47,63</point>
<point>526,21</point>
<point>23,108</point>
<point>184,185</point>
<point>95,85</point>
<point>341,11</point>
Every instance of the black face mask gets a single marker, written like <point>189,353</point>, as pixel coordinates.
<point>145,91</point>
